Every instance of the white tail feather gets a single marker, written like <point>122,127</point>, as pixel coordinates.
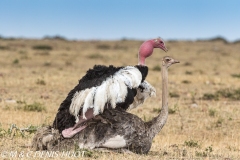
<point>122,93</point>
<point>112,94</point>
<point>100,98</point>
<point>77,102</point>
<point>88,101</point>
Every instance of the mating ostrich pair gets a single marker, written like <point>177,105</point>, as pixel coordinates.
<point>94,113</point>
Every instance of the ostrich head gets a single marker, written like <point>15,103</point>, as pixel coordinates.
<point>168,61</point>
<point>146,49</point>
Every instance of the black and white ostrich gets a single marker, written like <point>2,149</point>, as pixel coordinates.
<point>106,87</point>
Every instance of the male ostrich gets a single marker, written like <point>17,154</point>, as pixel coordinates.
<point>114,128</point>
<point>106,87</point>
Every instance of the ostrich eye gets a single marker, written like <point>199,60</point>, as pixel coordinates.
<point>167,60</point>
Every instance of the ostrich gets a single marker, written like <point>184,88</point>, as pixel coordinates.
<point>106,87</point>
<point>114,128</point>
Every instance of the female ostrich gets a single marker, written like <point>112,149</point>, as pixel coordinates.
<point>106,87</point>
<point>114,128</point>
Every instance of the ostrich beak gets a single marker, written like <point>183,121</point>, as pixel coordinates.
<point>165,49</point>
<point>176,61</point>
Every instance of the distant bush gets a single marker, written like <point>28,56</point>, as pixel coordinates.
<point>232,94</point>
<point>57,37</point>
<point>236,42</point>
<point>236,75</point>
<point>120,47</point>
<point>95,56</point>
<point>156,68</point>
<point>218,39</point>
<point>42,53</point>
<point>186,81</point>
<point>4,47</point>
<point>103,46</point>
<point>22,52</point>
<point>124,39</point>
<point>42,47</point>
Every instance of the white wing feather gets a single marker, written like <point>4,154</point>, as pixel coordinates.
<point>113,90</point>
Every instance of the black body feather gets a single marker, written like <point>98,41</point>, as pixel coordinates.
<point>94,77</point>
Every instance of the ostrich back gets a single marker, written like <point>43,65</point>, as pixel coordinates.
<point>112,123</point>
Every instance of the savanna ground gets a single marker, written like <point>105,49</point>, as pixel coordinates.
<point>204,93</point>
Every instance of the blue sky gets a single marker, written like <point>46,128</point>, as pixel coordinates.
<point>117,19</point>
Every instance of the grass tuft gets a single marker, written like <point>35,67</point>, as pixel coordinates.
<point>236,75</point>
<point>16,61</point>
<point>219,122</point>
<point>156,68</point>
<point>68,63</point>
<point>35,107</point>
<point>233,94</point>
<point>210,96</point>
<point>14,131</point>
<point>157,110</point>
<point>40,82</point>
<point>212,112</point>
<point>84,152</point>
<point>171,111</point>
<point>187,64</point>
<point>42,47</point>
<point>186,81</point>
<point>191,143</point>
<point>95,56</point>
<point>174,95</point>
<point>188,73</point>
<point>204,153</point>
<point>46,64</point>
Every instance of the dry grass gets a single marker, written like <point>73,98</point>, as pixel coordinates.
<point>196,129</point>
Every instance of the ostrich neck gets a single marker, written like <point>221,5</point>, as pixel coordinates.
<point>141,60</point>
<point>157,123</point>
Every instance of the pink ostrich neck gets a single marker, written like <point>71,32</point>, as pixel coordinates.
<point>145,50</point>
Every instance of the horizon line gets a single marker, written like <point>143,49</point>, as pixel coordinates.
<point>60,37</point>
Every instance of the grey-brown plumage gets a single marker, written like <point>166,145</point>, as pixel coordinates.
<point>114,128</point>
